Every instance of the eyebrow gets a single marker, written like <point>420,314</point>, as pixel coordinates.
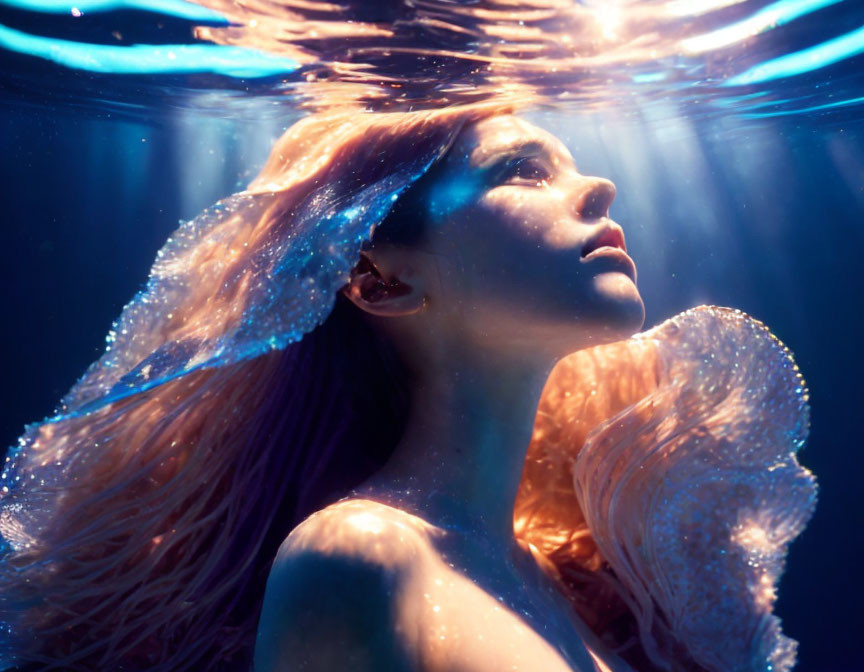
<point>520,148</point>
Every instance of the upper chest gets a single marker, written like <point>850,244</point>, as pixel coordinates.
<point>450,620</point>
<point>453,604</point>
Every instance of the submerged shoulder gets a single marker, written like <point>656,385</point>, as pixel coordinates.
<point>360,530</point>
<point>335,582</point>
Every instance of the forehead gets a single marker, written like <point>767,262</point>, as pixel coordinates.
<point>484,141</point>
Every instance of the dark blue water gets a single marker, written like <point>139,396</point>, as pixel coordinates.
<point>762,214</point>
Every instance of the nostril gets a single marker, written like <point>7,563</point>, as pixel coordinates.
<point>595,199</point>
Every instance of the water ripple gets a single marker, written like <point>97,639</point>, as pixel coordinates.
<point>744,57</point>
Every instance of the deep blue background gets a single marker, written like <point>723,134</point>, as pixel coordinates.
<point>765,216</point>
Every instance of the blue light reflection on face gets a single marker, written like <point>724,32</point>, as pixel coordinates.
<point>447,197</point>
<point>177,8</point>
<point>145,59</point>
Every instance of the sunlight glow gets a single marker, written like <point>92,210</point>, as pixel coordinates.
<point>753,538</point>
<point>366,522</point>
<point>609,17</point>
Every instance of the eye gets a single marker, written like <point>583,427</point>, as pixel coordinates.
<point>529,169</point>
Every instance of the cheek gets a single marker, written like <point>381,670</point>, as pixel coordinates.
<point>536,215</point>
<point>505,258</point>
<point>519,255</point>
<point>520,237</point>
<point>515,236</point>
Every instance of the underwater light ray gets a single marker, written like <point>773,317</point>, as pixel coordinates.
<point>177,8</point>
<point>240,62</point>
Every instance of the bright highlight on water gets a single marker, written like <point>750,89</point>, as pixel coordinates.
<point>679,49</point>
<point>820,56</point>
<point>413,253</point>
<point>176,8</point>
<point>147,59</point>
<point>772,16</point>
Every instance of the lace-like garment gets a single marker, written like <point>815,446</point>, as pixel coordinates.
<point>662,491</point>
<point>249,275</point>
<point>131,520</point>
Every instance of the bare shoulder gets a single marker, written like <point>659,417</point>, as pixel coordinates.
<point>361,530</point>
<point>332,593</point>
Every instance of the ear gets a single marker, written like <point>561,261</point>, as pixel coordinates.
<point>372,292</point>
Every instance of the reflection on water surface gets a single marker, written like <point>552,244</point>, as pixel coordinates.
<point>708,57</point>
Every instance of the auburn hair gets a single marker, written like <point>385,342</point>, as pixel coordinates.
<point>171,501</point>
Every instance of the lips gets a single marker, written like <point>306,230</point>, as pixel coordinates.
<point>608,236</point>
<point>608,244</point>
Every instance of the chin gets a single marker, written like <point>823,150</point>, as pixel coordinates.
<point>620,310</point>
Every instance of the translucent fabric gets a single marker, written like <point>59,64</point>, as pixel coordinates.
<point>290,285</point>
<point>134,519</point>
<point>662,487</point>
<point>251,274</point>
<point>661,484</point>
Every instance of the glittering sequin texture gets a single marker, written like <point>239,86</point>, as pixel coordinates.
<point>693,493</point>
<point>140,473</point>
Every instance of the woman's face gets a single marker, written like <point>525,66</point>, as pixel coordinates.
<point>519,248</point>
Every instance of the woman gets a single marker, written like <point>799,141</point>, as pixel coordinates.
<point>235,399</point>
<point>503,280</point>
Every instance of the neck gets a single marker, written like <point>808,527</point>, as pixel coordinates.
<point>460,460</point>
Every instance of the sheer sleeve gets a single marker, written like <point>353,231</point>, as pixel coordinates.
<point>662,490</point>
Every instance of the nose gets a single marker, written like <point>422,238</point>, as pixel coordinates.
<point>595,195</point>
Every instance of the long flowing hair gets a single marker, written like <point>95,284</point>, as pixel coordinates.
<point>161,508</point>
<point>237,396</point>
